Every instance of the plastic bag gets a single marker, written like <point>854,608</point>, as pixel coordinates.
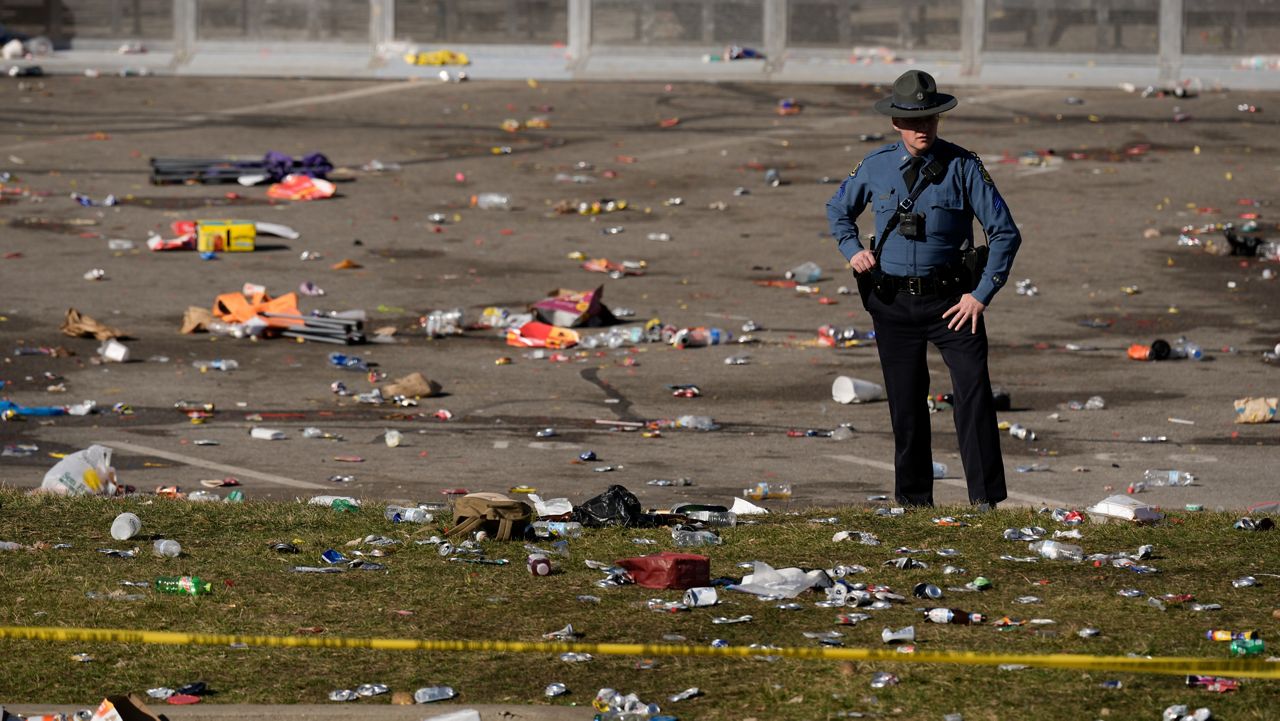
<point>83,473</point>
<point>785,582</point>
<point>615,507</point>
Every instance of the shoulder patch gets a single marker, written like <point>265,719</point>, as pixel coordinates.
<point>854,172</point>
<point>982,169</point>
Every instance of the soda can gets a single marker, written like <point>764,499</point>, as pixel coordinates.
<point>343,694</point>
<point>700,596</point>
<point>926,590</point>
<point>1247,647</point>
<point>1245,582</point>
<point>555,689</point>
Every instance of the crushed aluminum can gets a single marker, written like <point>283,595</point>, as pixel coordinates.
<point>953,571</point>
<point>343,694</point>
<point>851,619</point>
<point>906,562</point>
<point>685,695</point>
<point>546,433</point>
<point>883,680</point>
<point>555,689</point>
<point>371,689</point>
<point>1089,633</point>
<point>1245,582</point>
<point>1130,593</point>
<point>926,590</point>
<point>571,657</point>
<point>720,620</point>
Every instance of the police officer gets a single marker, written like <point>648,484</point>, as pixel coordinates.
<point>924,193</point>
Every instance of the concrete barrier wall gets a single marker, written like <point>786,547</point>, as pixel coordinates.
<point>1234,43</point>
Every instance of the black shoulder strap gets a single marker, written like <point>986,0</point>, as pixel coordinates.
<point>931,172</point>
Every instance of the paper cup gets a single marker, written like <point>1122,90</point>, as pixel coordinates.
<point>855,390</point>
<point>114,350</point>
<point>700,596</point>
<point>125,526</point>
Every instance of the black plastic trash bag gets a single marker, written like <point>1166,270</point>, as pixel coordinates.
<point>615,507</point>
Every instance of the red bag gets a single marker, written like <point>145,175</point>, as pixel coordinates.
<point>669,570</point>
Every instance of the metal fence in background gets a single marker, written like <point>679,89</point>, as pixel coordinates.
<point>988,41</point>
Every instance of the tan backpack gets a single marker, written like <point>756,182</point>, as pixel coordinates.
<point>501,517</point>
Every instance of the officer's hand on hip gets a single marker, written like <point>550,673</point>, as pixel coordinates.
<point>967,311</point>
<point>862,261</point>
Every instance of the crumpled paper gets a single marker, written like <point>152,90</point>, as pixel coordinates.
<point>78,325</point>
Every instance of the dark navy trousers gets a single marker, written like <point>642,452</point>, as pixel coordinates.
<point>905,325</point>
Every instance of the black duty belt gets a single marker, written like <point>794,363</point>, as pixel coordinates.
<point>943,282</point>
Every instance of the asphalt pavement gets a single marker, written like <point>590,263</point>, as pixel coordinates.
<point>1100,186</point>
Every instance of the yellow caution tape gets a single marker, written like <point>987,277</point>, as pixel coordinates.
<point>1174,665</point>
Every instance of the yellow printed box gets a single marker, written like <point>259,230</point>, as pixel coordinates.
<point>230,236</point>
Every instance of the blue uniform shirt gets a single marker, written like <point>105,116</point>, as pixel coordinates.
<point>949,207</point>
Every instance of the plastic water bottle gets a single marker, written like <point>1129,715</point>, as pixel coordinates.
<point>695,538</point>
<point>491,201</point>
<point>1184,348</point>
<point>166,548</point>
<point>768,491</point>
<point>401,514</point>
<point>351,363</point>
<point>700,337</point>
<point>557,529</point>
<point>1058,551</point>
<point>714,518</point>
<point>430,694</point>
<point>806,272</point>
<point>183,585</point>
<point>1155,477</point>
<point>218,364</point>
<point>952,615</point>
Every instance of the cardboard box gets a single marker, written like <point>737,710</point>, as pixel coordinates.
<point>225,236</point>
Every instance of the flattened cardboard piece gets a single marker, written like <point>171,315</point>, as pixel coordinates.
<point>574,308</point>
<point>125,708</point>
<point>1255,410</point>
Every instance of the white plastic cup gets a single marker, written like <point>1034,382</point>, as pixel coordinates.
<point>125,526</point>
<point>902,635</point>
<point>700,596</point>
<point>393,438</point>
<point>115,351</point>
<point>167,548</point>
<point>855,390</point>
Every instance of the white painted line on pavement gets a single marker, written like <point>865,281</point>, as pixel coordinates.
<point>220,467</point>
<point>365,92</point>
<point>955,482</point>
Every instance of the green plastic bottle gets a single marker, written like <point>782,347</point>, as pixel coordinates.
<point>183,585</point>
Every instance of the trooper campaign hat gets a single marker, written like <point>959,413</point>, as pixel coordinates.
<point>915,95</point>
